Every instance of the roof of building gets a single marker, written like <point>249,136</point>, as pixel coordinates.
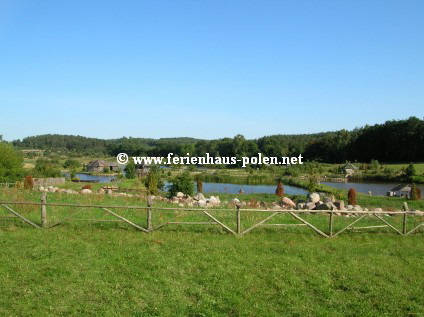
<point>349,166</point>
<point>100,163</point>
<point>401,188</point>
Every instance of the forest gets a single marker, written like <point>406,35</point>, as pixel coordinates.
<point>390,142</point>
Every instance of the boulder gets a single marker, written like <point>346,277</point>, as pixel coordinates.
<point>314,198</point>
<point>357,208</point>
<point>86,191</point>
<point>41,188</point>
<point>201,203</point>
<point>101,191</point>
<point>288,202</point>
<point>310,205</point>
<point>180,195</point>
<point>339,204</point>
<point>181,205</point>
<point>235,201</point>
<point>300,206</point>
<point>109,192</point>
<point>322,207</point>
<point>199,196</point>
<point>214,201</point>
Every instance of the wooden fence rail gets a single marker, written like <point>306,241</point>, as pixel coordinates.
<point>148,227</point>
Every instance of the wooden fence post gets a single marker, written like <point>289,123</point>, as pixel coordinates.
<point>149,213</point>
<point>238,220</point>
<point>43,210</point>
<point>405,209</point>
<point>330,229</point>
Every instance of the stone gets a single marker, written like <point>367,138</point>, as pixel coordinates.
<point>201,203</point>
<point>41,188</point>
<point>181,205</point>
<point>86,191</point>
<point>300,206</point>
<point>377,209</point>
<point>109,192</point>
<point>180,195</point>
<point>199,196</point>
<point>310,205</point>
<point>357,208</point>
<point>235,201</point>
<point>101,191</point>
<point>339,204</point>
<point>287,201</point>
<point>314,198</point>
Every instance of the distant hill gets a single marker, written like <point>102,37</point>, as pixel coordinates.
<point>393,141</point>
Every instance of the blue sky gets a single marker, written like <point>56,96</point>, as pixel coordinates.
<point>207,69</point>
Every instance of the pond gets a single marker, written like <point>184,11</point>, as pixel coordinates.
<point>228,188</point>
<point>377,189</point>
<point>87,177</point>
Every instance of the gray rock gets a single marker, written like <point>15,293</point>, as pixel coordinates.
<point>199,196</point>
<point>314,198</point>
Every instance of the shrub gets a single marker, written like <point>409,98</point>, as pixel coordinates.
<point>11,163</point>
<point>415,192</point>
<point>28,182</point>
<point>280,189</point>
<point>181,183</point>
<point>351,196</point>
<point>130,172</point>
<point>410,170</point>
<point>199,185</point>
<point>153,180</point>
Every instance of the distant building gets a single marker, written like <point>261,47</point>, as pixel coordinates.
<point>99,166</point>
<point>142,170</point>
<point>348,169</point>
<point>400,191</point>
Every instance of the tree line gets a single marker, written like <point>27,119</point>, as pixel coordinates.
<point>392,141</point>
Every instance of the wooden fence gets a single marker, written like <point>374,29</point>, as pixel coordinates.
<point>148,227</point>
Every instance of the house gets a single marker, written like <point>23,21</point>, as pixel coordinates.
<point>348,169</point>
<point>142,170</point>
<point>99,166</point>
<point>400,191</point>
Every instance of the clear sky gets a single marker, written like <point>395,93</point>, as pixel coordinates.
<point>207,69</point>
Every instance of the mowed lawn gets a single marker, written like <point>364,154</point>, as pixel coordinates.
<point>95,271</point>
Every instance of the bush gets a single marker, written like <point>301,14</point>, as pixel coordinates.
<point>154,180</point>
<point>28,182</point>
<point>280,189</point>
<point>11,163</point>
<point>415,192</point>
<point>46,168</point>
<point>199,185</point>
<point>130,172</point>
<point>181,183</point>
<point>351,197</point>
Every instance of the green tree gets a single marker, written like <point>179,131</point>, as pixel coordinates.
<point>154,180</point>
<point>410,170</point>
<point>130,172</point>
<point>11,163</point>
<point>182,183</point>
<point>72,165</point>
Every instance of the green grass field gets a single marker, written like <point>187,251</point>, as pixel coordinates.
<point>98,272</point>
<point>111,269</point>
